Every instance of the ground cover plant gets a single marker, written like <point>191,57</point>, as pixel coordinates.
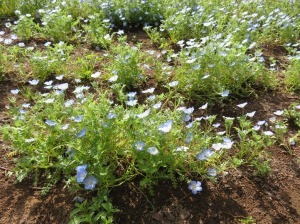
<point>93,108</point>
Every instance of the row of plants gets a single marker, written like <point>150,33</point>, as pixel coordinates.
<point>98,141</point>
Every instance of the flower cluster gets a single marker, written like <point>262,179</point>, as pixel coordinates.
<point>88,181</point>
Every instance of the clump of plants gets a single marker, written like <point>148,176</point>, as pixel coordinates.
<point>96,143</point>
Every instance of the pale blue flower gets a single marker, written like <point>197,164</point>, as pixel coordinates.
<point>151,98</point>
<point>49,100</point>
<point>157,105</point>
<point>22,111</point>
<point>166,127</point>
<point>256,127</point>
<point>144,114</point>
<point>113,78</point>
<point>203,107</point>
<point>111,115</point>
<point>224,93</point>
<point>189,138</point>
<point>151,90</point>
<point>90,182</point>
<point>81,173</point>
<point>188,110</point>
<point>81,133</point>
<point>195,186</point>
<point>261,122</point>
<point>212,172</point>
<point>251,114</point>
<point>28,140</point>
<point>26,105</point>
<point>139,145</point>
<point>173,84</point>
<point>279,112</point>
<point>186,117</point>
<point>131,102</point>
<point>205,154</point>
<point>62,86</point>
<point>153,150</point>
<point>96,75</point>
<point>60,77</point>
<point>181,149</point>
<point>242,105</point>
<point>131,94</point>
<point>190,125</point>
<point>268,133</point>
<point>65,127</point>
<point>50,123</point>
<point>33,82</point>
<point>15,91</point>
<point>69,103</point>
<point>78,118</point>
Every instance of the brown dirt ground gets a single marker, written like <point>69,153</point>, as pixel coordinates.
<point>236,196</point>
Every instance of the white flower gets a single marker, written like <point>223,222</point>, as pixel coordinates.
<point>113,78</point>
<point>242,105</point>
<point>63,86</point>
<point>268,133</point>
<point>15,91</point>
<point>96,75</point>
<point>50,123</point>
<point>49,100</point>
<point>33,82</point>
<point>151,90</point>
<point>279,112</point>
<point>69,103</point>
<point>157,105</point>
<point>203,107</point>
<point>173,84</point>
<point>250,114</point>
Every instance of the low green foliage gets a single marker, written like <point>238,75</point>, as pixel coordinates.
<point>292,76</point>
